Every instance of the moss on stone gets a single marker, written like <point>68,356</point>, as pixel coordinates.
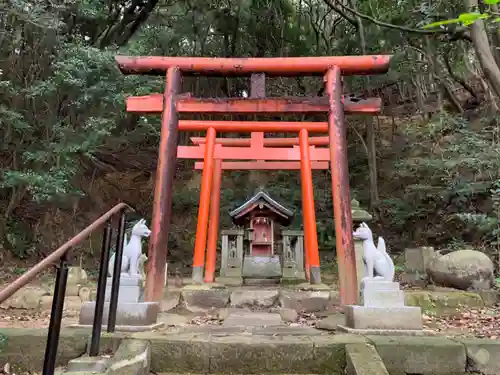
<point>363,359</point>
<point>420,355</point>
<point>330,352</point>
<point>24,348</point>
<point>443,303</point>
<point>482,355</point>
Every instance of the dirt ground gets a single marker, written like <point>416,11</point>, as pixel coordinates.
<point>480,323</point>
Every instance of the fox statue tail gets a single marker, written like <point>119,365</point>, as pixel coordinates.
<point>383,250</point>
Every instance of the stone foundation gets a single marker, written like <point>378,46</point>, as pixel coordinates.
<point>200,300</point>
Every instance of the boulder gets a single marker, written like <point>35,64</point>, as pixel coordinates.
<point>27,298</point>
<point>462,269</point>
<point>288,315</point>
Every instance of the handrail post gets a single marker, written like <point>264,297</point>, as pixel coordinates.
<point>117,268</point>
<point>49,362</point>
<point>101,290</point>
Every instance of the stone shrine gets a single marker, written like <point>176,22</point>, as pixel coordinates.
<point>257,252</point>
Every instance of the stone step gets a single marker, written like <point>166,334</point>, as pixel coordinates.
<point>244,353</point>
<point>251,354</point>
<point>282,350</point>
<point>245,318</point>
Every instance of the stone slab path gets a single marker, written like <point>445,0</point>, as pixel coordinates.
<point>244,318</point>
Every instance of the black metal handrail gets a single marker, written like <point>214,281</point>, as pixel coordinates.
<point>60,255</point>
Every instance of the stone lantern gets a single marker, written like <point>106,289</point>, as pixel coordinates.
<point>359,216</point>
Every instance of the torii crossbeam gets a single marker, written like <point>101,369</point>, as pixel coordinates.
<point>172,103</point>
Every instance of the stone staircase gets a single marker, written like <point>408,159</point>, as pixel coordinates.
<point>254,343</point>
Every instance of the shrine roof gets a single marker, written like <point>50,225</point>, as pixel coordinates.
<point>262,198</point>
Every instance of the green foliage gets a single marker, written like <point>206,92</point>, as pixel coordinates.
<point>451,174</point>
<point>467,19</point>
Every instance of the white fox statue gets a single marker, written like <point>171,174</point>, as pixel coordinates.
<point>133,259</point>
<point>378,264</point>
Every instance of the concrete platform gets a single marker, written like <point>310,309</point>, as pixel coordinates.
<point>267,350</point>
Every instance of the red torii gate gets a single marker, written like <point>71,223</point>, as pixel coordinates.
<point>171,103</point>
<point>310,231</point>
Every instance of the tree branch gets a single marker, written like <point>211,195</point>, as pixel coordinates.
<point>390,25</point>
<point>343,14</point>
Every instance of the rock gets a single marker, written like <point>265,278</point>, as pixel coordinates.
<point>26,298</point>
<point>331,322</point>
<point>46,302</point>
<point>462,269</point>
<point>413,279</point>
<point>171,300</point>
<point>437,288</point>
<point>305,301</point>
<point>204,300</point>
<point>490,297</point>
<point>222,314</point>
<point>443,303</point>
<point>482,355</point>
<point>335,298</point>
<point>289,315</point>
<point>72,303</point>
<point>76,277</point>
<point>251,298</point>
<point>172,319</point>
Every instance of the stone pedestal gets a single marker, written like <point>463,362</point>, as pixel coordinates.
<point>130,290</point>
<point>262,267</point>
<point>383,311</point>
<point>131,314</point>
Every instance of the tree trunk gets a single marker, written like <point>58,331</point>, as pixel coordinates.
<point>420,96</point>
<point>371,144</point>
<point>442,85</point>
<point>455,76</point>
<point>495,37</point>
<point>483,50</point>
